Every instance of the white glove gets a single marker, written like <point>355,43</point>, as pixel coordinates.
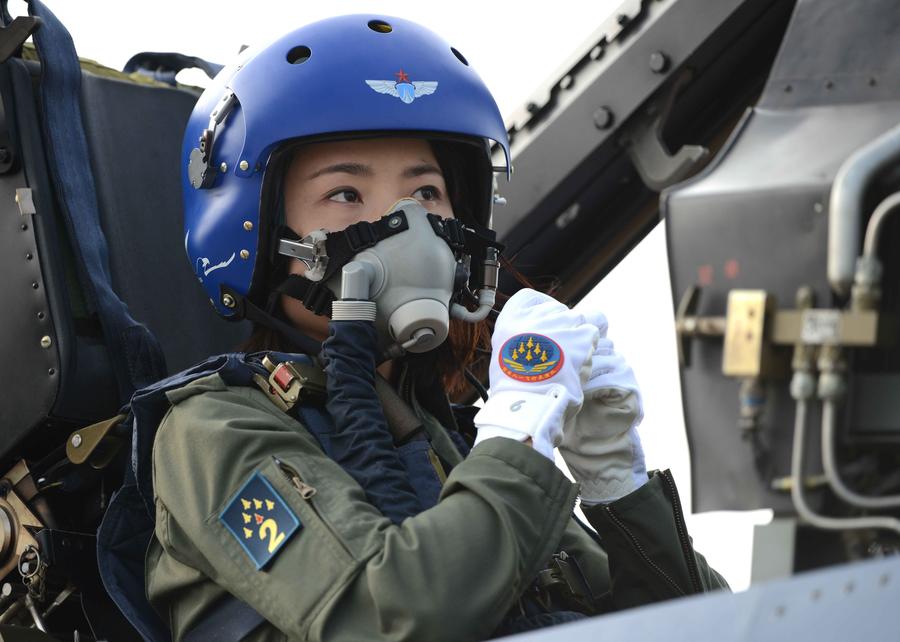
<point>601,445</point>
<point>541,356</point>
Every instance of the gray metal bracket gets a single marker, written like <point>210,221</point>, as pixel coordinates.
<point>642,139</point>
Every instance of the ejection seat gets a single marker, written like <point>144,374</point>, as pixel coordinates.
<point>86,223</point>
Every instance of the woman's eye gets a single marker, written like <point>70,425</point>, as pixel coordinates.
<point>345,196</point>
<point>427,193</point>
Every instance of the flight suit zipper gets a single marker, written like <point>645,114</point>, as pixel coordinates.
<point>686,547</point>
<point>640,550</point>
<point>307,492</point>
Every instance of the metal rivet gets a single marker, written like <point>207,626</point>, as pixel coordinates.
<point>603,118</point>
<point>29,256</point>
<point>244,165</point>
<point>596,53</point>
<point>46,342</point>
<point>394,221</point>
<point>41,316</point>
<point>228,301</point>
<point>818,208</point>
<point>566,81</point>
<point>248,226</point>
<point>23,226</point>
<point>76,440</point>
<point>245,254</point>
<point>51,372</point>
<point>223,167</point>
<point>34,285</point>
<point>659,62</point>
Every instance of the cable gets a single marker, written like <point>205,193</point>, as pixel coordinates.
<point>475,383</point>
<point>829,416</point>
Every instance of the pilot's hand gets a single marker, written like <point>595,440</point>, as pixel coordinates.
<point>541,356</point>
<point>601,445</point>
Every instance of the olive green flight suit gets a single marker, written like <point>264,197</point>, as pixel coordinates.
<point>450,573</point>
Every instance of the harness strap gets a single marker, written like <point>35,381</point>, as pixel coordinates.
<point>134,352</point>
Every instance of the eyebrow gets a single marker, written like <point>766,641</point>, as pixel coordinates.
<point>420,170</point>
<point>358,169</point>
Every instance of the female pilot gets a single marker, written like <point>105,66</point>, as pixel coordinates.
<point>339,185</point>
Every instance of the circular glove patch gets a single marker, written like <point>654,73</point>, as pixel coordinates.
<point>530,357</point>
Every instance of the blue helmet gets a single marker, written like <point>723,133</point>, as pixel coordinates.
<point>349,76</point>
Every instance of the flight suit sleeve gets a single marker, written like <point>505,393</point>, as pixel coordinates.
<point>347,572</point>
<point>651,555</point>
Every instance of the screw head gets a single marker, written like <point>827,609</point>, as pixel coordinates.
<point>659,62</point>
<point>603,118</point>
<point>76,440</point>
<point>394,222</point>
<point>46,342</point>
<point>245,254</point>
<point>244,165</point>
<point>228,301</point>
<point>248,226</point>
<point>223,167</point>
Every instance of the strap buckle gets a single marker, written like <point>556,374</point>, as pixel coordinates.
<point>96,444</point>
<point>291,382</point>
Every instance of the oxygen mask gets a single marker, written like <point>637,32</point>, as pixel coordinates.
<point>410,272</point>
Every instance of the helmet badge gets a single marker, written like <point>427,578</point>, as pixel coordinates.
<point>403,88</point>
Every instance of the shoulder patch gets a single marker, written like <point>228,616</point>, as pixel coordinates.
<point>260,520</point>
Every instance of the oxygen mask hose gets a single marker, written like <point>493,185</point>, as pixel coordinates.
<point>362,442</point>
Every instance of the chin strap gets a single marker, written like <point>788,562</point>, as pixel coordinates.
<point>340,247</point>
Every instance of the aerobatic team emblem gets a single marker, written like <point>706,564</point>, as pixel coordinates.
<point>403,88</point>
<point>260,520</point>
<point>530,357</point>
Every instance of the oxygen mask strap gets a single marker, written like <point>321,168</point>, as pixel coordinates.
<point>340,248</point>
<point>314,295</point>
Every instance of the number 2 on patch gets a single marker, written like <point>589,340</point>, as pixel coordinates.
<point>275,538</point>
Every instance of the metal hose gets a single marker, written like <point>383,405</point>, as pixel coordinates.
<point>846,202</point>
<point>799,501</point>
<point>829,419</point>
<point>885,208</point>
